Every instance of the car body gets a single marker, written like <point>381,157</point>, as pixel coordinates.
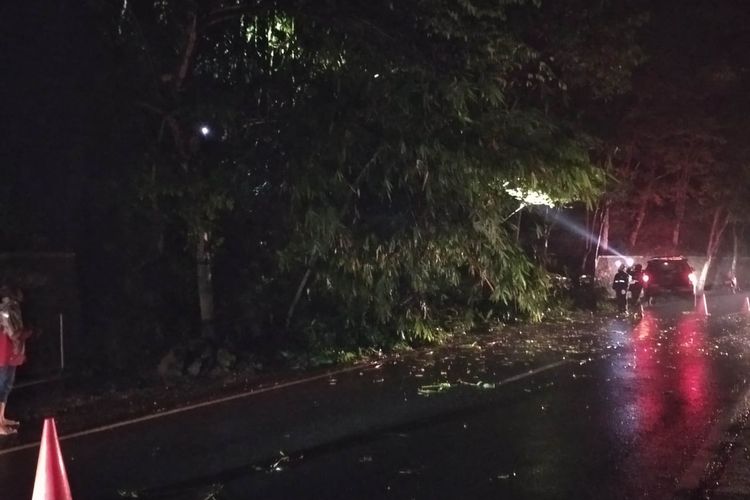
<point>668,276</point>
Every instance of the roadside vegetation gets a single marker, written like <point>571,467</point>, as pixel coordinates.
<point>339,177</point>
<point>281,177</point>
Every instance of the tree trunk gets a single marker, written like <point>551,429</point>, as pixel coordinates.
<point>603,240</point>
<point>680,205</point>
<point>297,296</point>
<point>590,225</point>
<point>641,216</point>
<point>735,251</point>
<point>603,243</point>
<point>721,219</point>
<point>735,245</point>
<point>587,243</point>
<point>518,226</point>
<point>205,284</point>
<point>547,230</point>
<point>604,233</point>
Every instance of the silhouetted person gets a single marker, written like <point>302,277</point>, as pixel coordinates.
<point>620,286</point>
<point>636,284</point>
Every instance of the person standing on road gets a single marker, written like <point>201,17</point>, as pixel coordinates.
<point>636,285</point>
<point>620,286</point>
<point>12,350</point>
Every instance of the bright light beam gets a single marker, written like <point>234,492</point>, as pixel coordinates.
<point>577,229</point>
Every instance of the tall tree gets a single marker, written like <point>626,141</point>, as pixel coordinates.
<point>682,125</point>
<point>387,135</point>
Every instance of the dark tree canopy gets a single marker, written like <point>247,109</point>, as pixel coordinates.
<point>683,150</point>
<point>353,181</point>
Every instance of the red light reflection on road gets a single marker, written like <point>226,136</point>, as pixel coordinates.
<point>692,362</point>
<point>673,401</point>
<point>646,347</point>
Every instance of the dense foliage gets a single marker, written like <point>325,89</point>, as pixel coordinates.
<point>338,170</point>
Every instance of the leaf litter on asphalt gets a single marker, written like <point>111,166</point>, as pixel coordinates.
<point>430,389</point>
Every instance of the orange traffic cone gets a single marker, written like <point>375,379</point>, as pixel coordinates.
<point>51,481</point>
<point>701,306</point>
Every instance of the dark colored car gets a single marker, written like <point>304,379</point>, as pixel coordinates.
<point>668,276</point>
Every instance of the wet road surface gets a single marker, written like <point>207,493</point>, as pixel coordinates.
<point>623,410</point>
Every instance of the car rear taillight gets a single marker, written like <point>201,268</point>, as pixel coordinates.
<point>692,278</point>
<point>645,278</point>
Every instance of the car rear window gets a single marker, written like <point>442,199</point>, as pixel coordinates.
<point>667,265</point>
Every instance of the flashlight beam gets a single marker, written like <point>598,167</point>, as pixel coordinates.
<point>584,233</point>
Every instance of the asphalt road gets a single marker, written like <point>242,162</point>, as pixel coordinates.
<point>634,416</point>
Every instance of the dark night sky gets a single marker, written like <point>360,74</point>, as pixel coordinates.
<point>48,56</point>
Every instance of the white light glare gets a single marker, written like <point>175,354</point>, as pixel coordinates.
<point>205,130</point>
<point>529,197</point>
<point>629,261</point>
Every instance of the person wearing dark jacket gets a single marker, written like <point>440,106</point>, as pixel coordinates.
<point>636,284</point>
<point>620,285</point>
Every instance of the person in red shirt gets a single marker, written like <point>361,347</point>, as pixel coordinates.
<point>12,352</point>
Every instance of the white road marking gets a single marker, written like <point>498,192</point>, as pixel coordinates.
<point>195,406</point>
<point>252,392</point>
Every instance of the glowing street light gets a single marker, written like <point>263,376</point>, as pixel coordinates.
<point>205,131</point>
